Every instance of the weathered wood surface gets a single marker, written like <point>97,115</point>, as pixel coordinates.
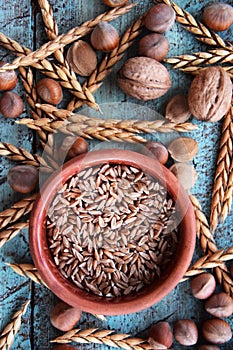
<point>21,20</point>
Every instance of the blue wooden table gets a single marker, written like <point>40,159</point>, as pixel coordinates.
<point>21,20</point>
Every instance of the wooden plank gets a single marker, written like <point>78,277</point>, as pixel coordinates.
<point>16,20</point>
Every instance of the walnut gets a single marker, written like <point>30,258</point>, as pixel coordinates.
<point>210,94</point>
<point>144,78</point>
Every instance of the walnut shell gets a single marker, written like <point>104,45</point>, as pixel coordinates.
<point>210,94</point>
<point>144,78</point>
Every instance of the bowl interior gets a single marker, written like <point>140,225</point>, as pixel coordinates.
<point>89,302</point>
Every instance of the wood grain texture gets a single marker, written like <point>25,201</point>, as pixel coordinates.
<point>21,20</point>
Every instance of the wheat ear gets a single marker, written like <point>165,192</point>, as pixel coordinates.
<point>27,270</point>
<point>103,337</point>
<point>201,32</point>
<point>210,261</point>
<point>208,246</point>
<point>216,56</point>
<point>9,333</point>
<point>64,39</point>
<point>16,211</point>
<point>9,233</point>
<point>96,78</point>
<point>222,169</point>
<point>52,33</point>
<point>23,156</point>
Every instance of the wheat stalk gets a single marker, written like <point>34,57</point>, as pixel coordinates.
<point>11,232</point>
<point>9,333</point>
<point>16,211</point>
<point>27,270</point>
<point>103,337</point>
<point>23,156</point>
<point>208,246</point>
<point>96,78</point>
<point>201,32</point>
<point>64,39</point>
<point>216,56</point>
<point>222,169</point>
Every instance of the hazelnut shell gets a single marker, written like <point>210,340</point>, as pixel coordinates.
<point>203,286</point>
<point>216,331</point>
<point>64,317</point>
<point>8,79</point>
<point>218,16</point>
<point>104,37</point>
<point>186,332</point>
<point>49,90</point>
<point>23,178</point>
<point>155,46</point>
<point>11,105</point>
<point>82,58</point>
<point>115,3</point>
<point>220,305</point>
<point>161,333</point>
<point>160,18</point>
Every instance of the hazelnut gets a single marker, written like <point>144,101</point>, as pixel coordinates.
<point>64,317</point>
<point>203,286</point>
<point>144,78</point>
<point>177,109</point>
<point>104,37</point>
<point>11,105</point>
<point>82,58</point>
<point>186,332</point>
<point>161,334</point>
<point>160,18</point>
<point>208,347</point>
<point>156,150</point>
<point>183,149</point>
<point>115,3</point>
<point>218,16</point>
<point>185,173</point>
<point>8,79</point>
<point>216,331</point>
<point>49,90</point>
<point>210,94</point>
<point>220,305</point>
<point>23,178</point>
<point>154,46</point>
<point>72,146</point>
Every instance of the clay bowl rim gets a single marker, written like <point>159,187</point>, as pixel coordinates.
<point>88,302</point>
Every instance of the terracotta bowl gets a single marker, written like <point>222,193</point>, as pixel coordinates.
<point>89,302</point>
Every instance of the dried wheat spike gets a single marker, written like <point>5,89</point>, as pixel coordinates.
<point>210,261</point>
<point>27,270</point>
<point>11,232</point>
<point>24,157</point>
<point>96,78</point>
<point>227,200</point>
<point>216,56</point>
<point>62,74</point>
<point>103,337</point>
<point>16,211</point>
<point>202,227</point>
<point>52,33</point>
<point>194,70</point>
<point>222,170</point>
<point>64,39</point>
<point>136,126</point>
<point>201,32</point>
<point>209,246</point>
<point>9,333</point>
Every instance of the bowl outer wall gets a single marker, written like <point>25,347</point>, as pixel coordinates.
<point>66,290</point>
